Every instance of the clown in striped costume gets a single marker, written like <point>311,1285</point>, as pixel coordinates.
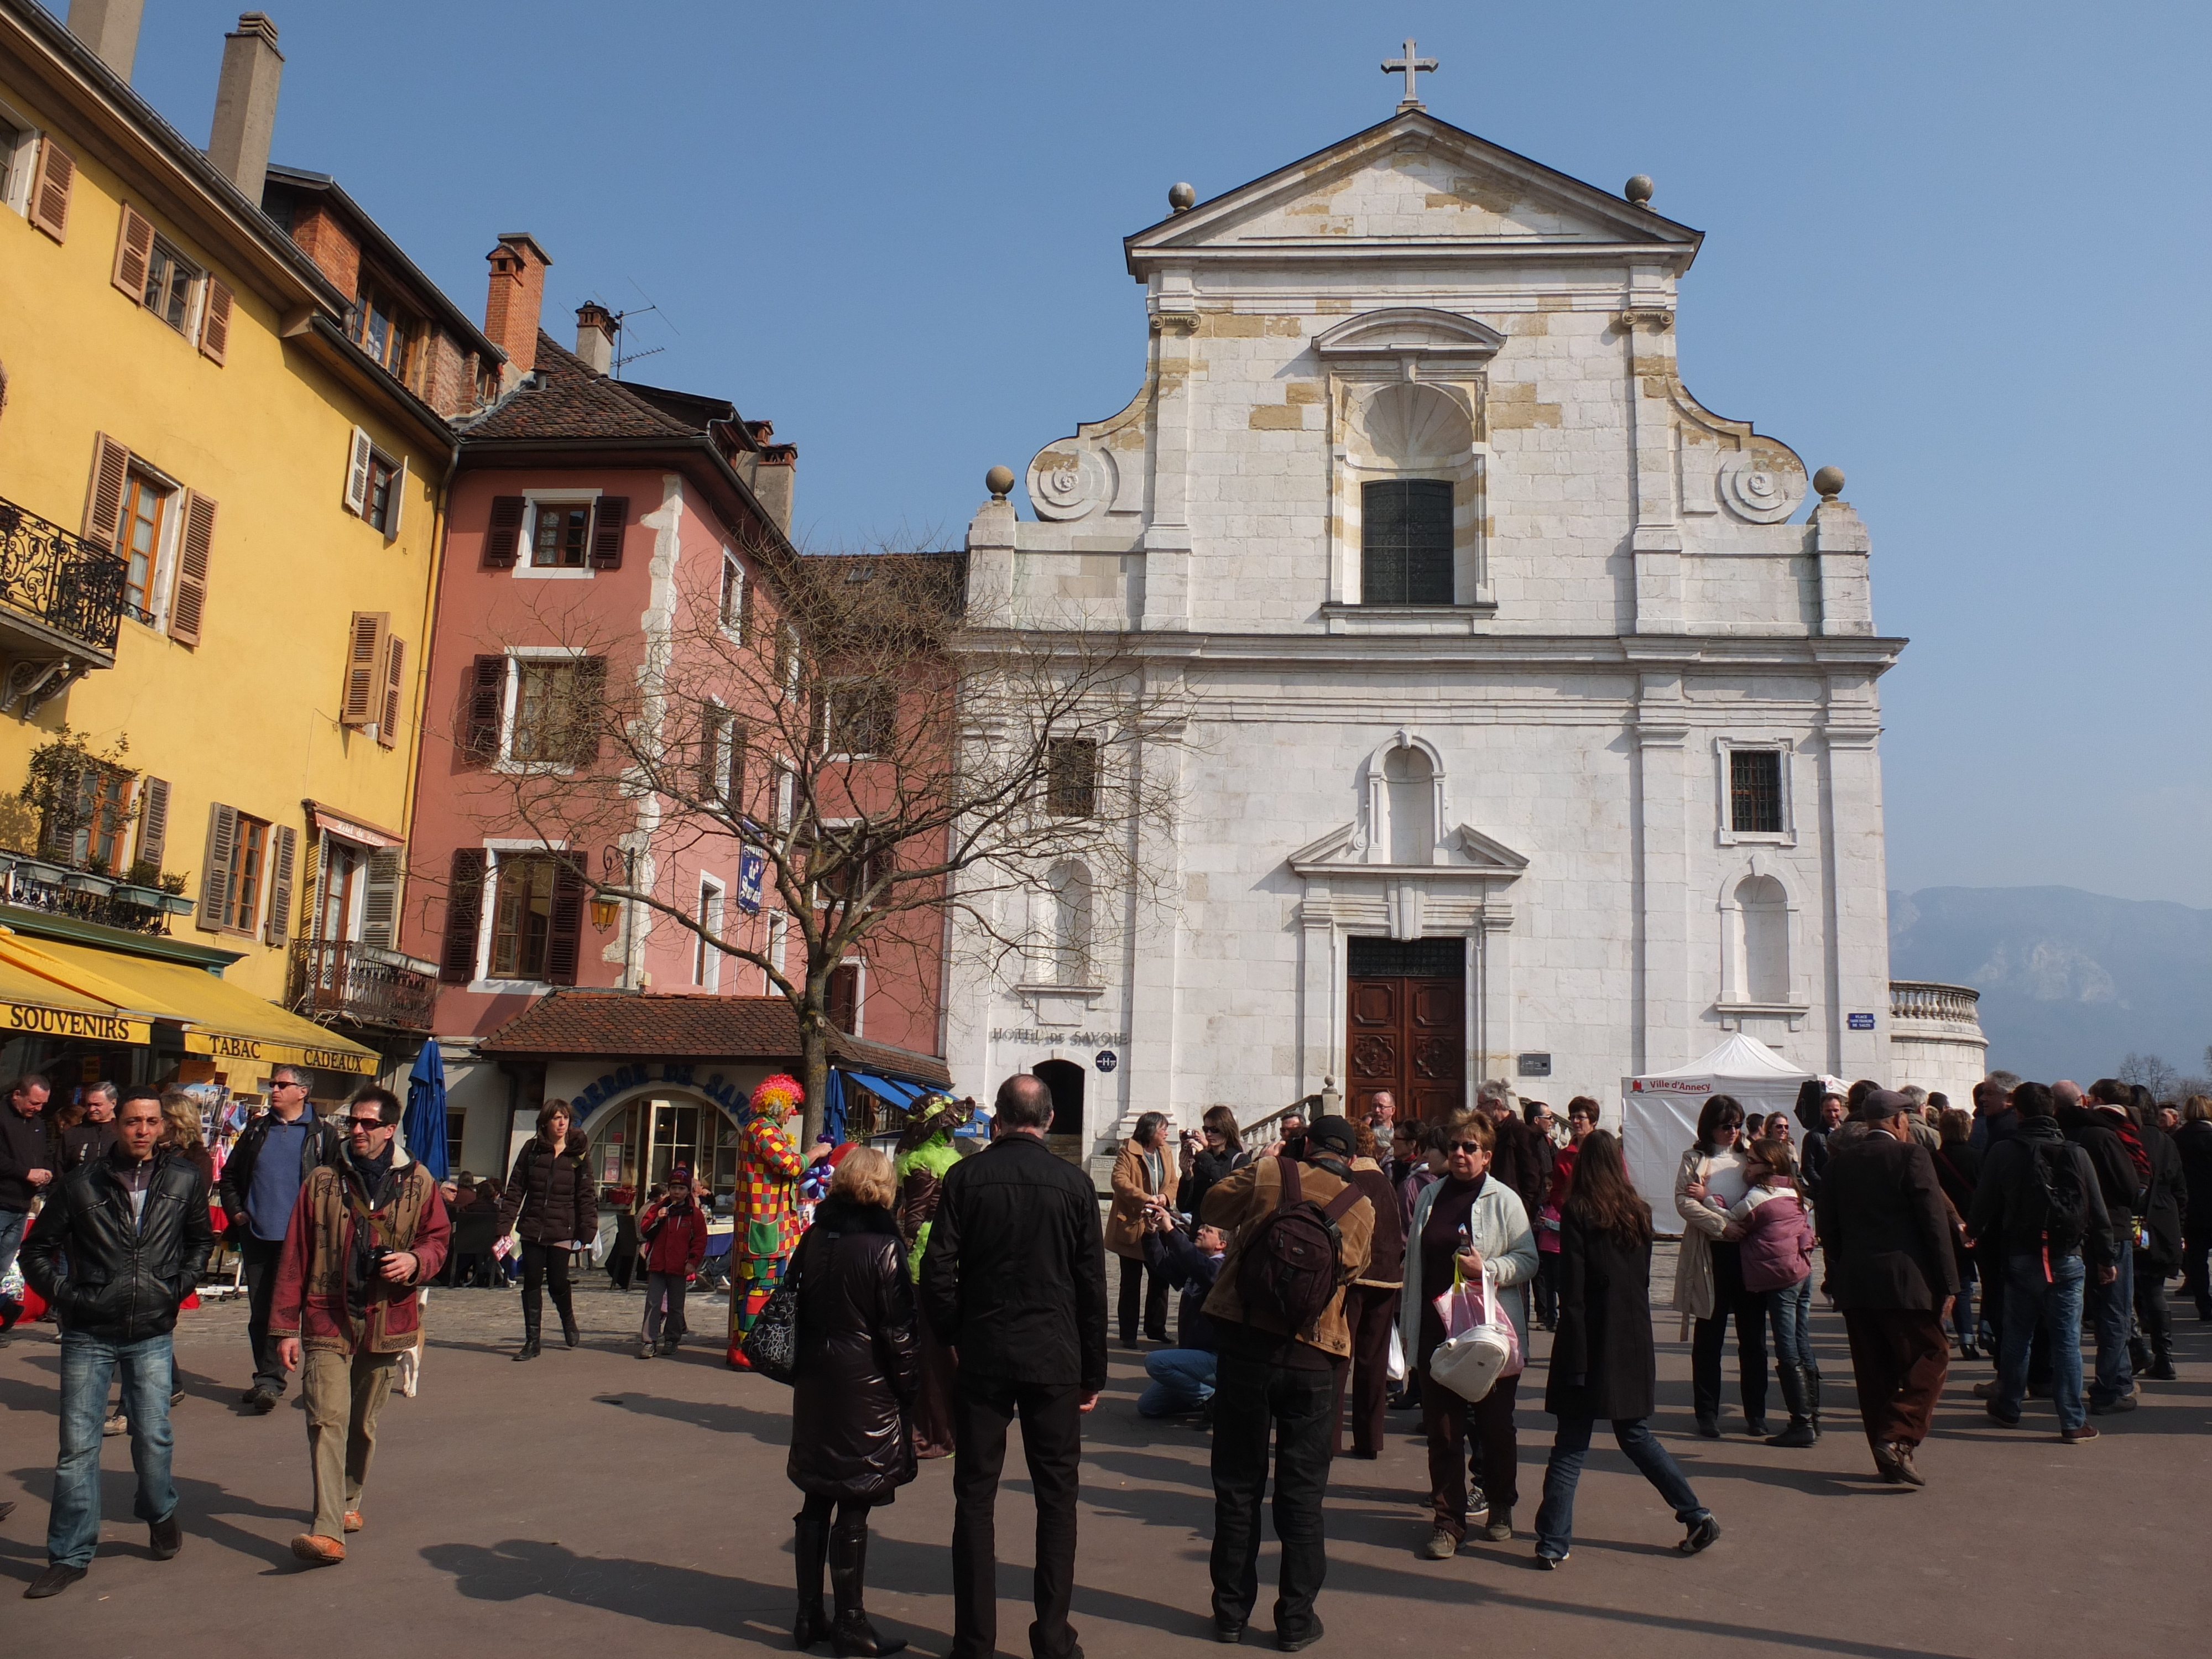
<point>767,1205</point>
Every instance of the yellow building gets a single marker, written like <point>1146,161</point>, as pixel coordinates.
<point>223,446</point>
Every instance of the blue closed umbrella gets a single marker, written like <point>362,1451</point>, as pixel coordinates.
<point>425,1122</point>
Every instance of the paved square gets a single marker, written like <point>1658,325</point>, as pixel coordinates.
<point>588,1503</point>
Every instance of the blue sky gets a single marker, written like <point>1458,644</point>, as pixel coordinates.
<point>1959,250</point>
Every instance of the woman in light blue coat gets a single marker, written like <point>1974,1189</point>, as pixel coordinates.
<point>1467,1219</point>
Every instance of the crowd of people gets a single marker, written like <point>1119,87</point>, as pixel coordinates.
<point>938,1294</point>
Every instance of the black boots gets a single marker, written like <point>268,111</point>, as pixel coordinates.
<point>529,1348</point>
<point>852,1635</point>
<point>1796,1395</point>
<point>810,1548</point>
<point>569,1333</point>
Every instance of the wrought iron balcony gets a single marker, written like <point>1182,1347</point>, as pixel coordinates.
<point>37,883</point>
<point>345,980</point>
<point>57,591</point>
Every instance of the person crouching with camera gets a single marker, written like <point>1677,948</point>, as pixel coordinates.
<point>362,1237</point>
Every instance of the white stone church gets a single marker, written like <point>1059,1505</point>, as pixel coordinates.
<point>1533,727</point>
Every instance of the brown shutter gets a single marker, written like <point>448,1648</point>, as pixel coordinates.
<point>283,856</point>
<point>587,710</point>
<point>134,245</point>
<point>380,900</point>
<point>153,821</point>
<point>397,508</point>
<point>49,206</point>
<point>564,942</point>
<point>360,453</point>
<point>487,685</point>
<point>103,500</point>
<point>395,687</point>
<point>188,601</point>
<point>503,540</point>
<point>215,869</point>
<point>710,726</point>
<point>363,691</point>
<point>608,519</point>
<point>310,885</point>
<point>214,323</point>
<point>463,911</point>
<point>736,800</point>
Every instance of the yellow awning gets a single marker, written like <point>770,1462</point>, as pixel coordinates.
<point>33,1006</point>
<point>219,1019</point>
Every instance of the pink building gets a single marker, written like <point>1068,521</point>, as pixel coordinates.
<point>598,531</point>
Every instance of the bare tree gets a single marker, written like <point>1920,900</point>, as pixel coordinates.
<point>900,785</point>
<point>2153,1073</point>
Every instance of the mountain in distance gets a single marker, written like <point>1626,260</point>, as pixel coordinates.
<point>2071,982</point>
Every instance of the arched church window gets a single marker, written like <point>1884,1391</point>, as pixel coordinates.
<point>1409,796</point>
<point>1405,542</point>
<point>1762,955</point>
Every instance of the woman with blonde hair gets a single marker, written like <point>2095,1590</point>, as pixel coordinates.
<point>853,1393</point>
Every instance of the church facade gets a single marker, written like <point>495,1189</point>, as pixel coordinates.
<point>1528,723</point>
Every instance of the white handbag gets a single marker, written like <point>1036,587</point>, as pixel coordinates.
<point>1483,1346</point>
<point>1397,1365</point>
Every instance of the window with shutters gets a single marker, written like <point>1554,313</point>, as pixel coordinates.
<point>338,898</point>
<point>381,328</point>
<point>15,143</point>
<point>138,539</point>
<point>561,539</point>
<point>721,766</point>
<point>733,609</point>
<point>842,997</point>
<point>53,180</point>
<point>361,699</point>
<point>170,280</point>
<point>555,704</point>
<point>536,918</point>
<point>86,819</point>
<point>862,718</point>
<point>245,875</point>
<point>153,831</point>
<point>382,508</point>
<point>1405,542</point>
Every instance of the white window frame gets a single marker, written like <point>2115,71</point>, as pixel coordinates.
<point>162,577</point>
<point>731,621</point>
<point>510,846</point>
<point>1729,835</point>
<point>778,939</point>
<point>722,739</point>
<point>707,959</point>
<point>196,288</point>
<point>830,718</point>
<point>860,966</point>
<point>510,704</point>
<point>533,499</point>
<point>22,162</point>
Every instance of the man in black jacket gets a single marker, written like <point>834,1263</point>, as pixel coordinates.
<point>1887,1239</point>
<point>2043,1254</point>
<point>261,1182</point>
<point>2110,1306</point>
<point>1014,1281</point>
<point>133,1232</point>
<point>27,1162</point>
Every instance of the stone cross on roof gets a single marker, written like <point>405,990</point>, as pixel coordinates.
<point>1412,66</point>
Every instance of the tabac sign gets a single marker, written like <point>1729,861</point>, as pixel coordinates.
<point>222,1045</point>
<point>79,1025</point>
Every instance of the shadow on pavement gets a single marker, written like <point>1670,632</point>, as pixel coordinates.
<point>650,1591</point>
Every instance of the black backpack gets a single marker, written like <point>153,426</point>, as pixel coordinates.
<point>1292,1261</point>
<point>2056,1172</point>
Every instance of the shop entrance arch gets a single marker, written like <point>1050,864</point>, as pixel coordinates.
<point>637,1138</point>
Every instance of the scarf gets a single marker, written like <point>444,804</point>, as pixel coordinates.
<point>368,1188</point>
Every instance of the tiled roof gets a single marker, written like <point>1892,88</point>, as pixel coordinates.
<point>655,1024</point>
<point>571,401</point>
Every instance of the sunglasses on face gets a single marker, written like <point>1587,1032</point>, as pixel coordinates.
<point>366,1125</point>
<point>1472,1148</point>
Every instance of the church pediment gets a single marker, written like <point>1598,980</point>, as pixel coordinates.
<point>1409,331</point>
<point>1466,853</point>
<point>1411,180</point>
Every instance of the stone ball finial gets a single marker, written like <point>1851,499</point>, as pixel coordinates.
<point>1182,198</point>
<point>999,481</point>
<point>1639,190</point>
<point>1829,481</point>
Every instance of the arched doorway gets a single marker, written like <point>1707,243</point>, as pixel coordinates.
<point>635,1143</point>
<point>1065,1078</point>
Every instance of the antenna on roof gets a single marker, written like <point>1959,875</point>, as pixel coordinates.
<point>652,307</point>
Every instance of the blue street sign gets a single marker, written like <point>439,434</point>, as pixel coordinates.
<point>1861,1022</point>
<point>750,868</point>
<point>1106,1060</point>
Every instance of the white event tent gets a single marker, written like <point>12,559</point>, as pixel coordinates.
<point>1659,1112</point>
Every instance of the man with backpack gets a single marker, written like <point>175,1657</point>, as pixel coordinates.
<point>2039,1202</point>
<point>2101,1127</point>
<point>1299,1229</point>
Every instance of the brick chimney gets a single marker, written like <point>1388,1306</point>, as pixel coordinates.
<point>595,329</point>
<point>109,28</point>
<point>516,295</point>
<point>246,104</point>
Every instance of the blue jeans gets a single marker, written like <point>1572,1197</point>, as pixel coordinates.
<point>2054,1305</point>
<point>12,1224</point>
<point>1789,1311</point>
<point>2112,1311</point>
<point>1182,1381</point>
<point>1555,1516</point>
<point>88,1363</point>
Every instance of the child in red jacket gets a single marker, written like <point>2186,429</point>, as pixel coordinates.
<point>1774,1225</point>
<point>673,1230</point>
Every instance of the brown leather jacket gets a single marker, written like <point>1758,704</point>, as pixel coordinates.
<point>1236,1206</point>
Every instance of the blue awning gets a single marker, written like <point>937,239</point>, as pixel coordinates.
<point>900,1095</point>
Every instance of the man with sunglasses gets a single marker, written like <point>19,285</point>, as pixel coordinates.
<point>361,1237</point>
<point>259,1189</point>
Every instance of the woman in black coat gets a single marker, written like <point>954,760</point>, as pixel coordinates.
<point>554,1208</point>
<point>2193,1141</point>
<point>1602,1363</point>
<point>853,1393</point>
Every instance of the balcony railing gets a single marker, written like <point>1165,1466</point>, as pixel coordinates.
<point>1927,999</point>
<point>87,895</point>
<point>71,585</point>
<point>346,979</point>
